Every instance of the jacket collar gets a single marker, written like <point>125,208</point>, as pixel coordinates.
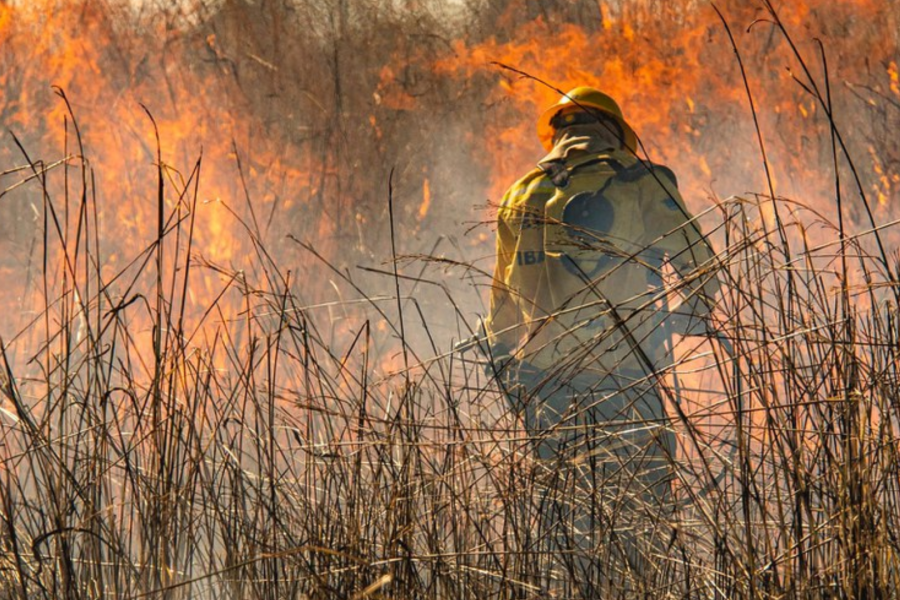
<point>576,143</point>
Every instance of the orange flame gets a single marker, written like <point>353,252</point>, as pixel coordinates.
<point>198,112</point>
<point>670,67</point>
<point>426,199</point>
<point>676,79</point>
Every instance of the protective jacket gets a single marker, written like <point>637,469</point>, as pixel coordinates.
<point>584,243</point>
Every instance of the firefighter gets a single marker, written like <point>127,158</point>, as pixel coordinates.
<point>580,323</point>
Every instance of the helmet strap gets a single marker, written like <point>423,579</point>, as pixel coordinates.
<point>564,119</point>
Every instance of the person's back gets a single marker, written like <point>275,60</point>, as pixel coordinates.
<point>582,293</point>
<point>581,244</point>
<point>579,323</point>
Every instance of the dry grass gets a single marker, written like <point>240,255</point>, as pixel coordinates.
<point>265,447</point>
<point>251,456</point>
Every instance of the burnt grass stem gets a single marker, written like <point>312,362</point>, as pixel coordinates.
<point>276,457</point>
<point>262,443</point>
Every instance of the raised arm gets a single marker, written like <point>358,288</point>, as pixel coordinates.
<point>672,230</point>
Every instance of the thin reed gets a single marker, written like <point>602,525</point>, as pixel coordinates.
<point>238,452</point>
<point>259,445</point>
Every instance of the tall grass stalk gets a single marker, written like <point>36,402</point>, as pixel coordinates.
<point>257,446</point>
<point>238,451</point>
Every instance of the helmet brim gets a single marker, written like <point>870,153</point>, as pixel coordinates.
<point>546,131</point>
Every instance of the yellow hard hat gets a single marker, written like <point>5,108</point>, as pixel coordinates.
<point>586,97</point>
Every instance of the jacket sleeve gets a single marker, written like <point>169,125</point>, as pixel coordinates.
<point>501,323</point>
<point>675,232</point>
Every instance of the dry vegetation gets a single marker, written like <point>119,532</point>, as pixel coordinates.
<point>177,421</point>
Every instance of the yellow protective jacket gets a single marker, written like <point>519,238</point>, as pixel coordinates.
<point>581,245</point>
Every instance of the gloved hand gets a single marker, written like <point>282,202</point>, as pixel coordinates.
<point>500,364</point>
<point>477,341</point>
<point>473,342</point>
<point>499,354</point>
